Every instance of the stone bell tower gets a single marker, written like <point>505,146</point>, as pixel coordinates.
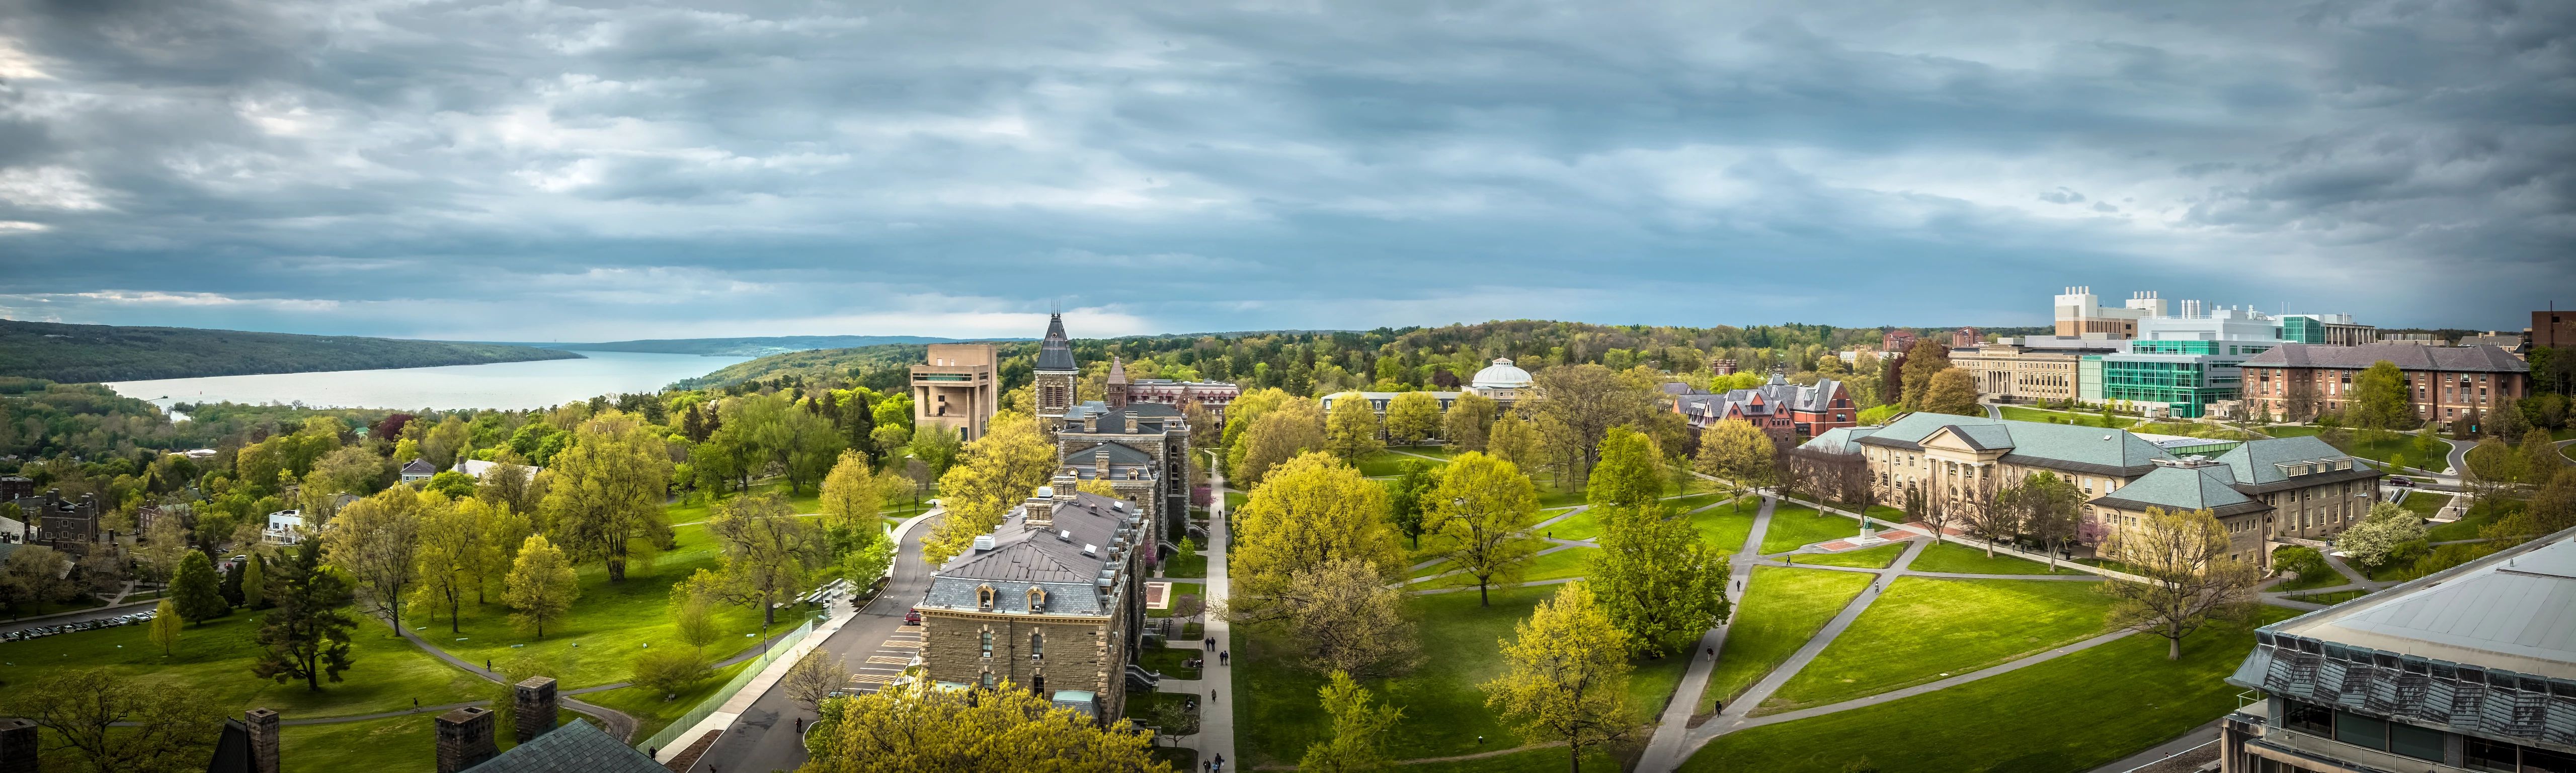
<point>1055,373</point>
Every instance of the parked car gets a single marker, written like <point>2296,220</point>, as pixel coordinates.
<point>912,617</point>
<point>2401,481</point>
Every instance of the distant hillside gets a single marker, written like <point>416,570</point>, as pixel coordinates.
<point>879,366</point>
<point>761,346</point>
<point>79,353</point>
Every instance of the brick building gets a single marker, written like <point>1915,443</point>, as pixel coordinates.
<point>1897,341</point>
<point>1782,409</point>
<point>1050,601</point>
<point>2444,383</point>
<point>2551,328</point>
<point>1966,336</point>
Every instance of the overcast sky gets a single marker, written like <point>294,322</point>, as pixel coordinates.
<point>588,171</point>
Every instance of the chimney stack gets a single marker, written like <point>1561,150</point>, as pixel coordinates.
<point>17,745</point>
<point>536,707</point>
<point>263,739</point>
<point>1039,510</point>
<point>465,739</point>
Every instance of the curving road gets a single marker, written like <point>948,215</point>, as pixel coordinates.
<point>765,737</point>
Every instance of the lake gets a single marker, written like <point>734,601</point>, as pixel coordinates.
<point>509,385</point>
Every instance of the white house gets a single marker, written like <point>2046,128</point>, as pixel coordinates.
<point>285,527</point>
<point>477,467</point>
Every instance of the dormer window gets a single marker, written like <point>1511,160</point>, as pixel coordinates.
<point>1037,599</point>
<point>984,601</point>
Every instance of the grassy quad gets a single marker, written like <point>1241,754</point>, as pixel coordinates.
<point>597,641</point>
<point>1923,628</point>
<point>1794,526</point>
<point>406,744</point>
<point>1954,558</point>
<point>385,675</point>
<point>1179,589</point>
<point>1388,462</point>
<point>1277,714</point>
<point>1782,609</point>
<point>1866,558</point>
<point>2326,579</point>
<point>651,711</point>
<point>1723,527</point>
<point>2119,698</point>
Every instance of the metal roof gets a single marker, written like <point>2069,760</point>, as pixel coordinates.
<point>2472,359</point>
<point>2515,610</point>
<point>572,748</point>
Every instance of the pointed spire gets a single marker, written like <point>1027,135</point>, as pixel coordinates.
<point>1055,353</point>
<point>1117,371</point>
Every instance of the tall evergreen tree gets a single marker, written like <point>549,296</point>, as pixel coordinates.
<point>307,636</point>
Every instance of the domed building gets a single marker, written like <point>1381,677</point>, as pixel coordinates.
<point>1501,382</point>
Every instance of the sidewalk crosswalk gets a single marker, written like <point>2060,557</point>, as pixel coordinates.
<point>884,665</point>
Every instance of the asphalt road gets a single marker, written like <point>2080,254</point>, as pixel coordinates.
<point>86,614</point>
<point>765,737</point>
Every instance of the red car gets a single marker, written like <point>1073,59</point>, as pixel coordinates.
<point>912,617</point>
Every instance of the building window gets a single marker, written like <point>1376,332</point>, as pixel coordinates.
<point>987,638</point>
<point>988,680</point>
<point>1037,645</point>
<point>2308,718</point>
<point>2358,730</point>
<point>984,597</point>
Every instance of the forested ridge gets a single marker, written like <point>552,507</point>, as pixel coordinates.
<point>78,353</point>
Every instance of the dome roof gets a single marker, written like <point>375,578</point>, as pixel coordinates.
<point>1501,375</point>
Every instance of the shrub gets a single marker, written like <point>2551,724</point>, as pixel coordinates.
<point>2304,560</point>
<point>670,669</point>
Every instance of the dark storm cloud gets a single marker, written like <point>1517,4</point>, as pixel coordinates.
<point>540,169</point>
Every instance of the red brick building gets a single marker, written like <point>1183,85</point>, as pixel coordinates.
<point>2444,383</point>
<point>1897,341</point>
<point>1966,337</point>
<point>1781,409</point>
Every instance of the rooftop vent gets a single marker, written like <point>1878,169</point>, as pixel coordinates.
<point>1089,549</point>
<point>1046,492</point>
<point>1064,535</point>
<point>1120,506</point>
<point>983,542</point>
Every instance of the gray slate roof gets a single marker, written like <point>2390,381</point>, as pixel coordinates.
<point>573,748</point>
<point>2058,445</point>
<point>1022,558</point>
<point>2257,462</point>
<point>419,467</point>
<point>2184,488</point>
<point>1054,352</point>
<point>2474,359</point>
<point>1118,454</point>
<point>1840,440</point>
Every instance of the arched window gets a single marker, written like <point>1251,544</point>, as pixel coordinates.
<point>988,680</point>
<point>1037,645</point>
<point>988,643</point>
<point>1037,599</point>
<point>984,597</point>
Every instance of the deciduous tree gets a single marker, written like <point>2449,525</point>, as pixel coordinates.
<point>936,446</point>
<point>1412,417</point>
<point>1360,727</point>
<point>1294,427</point>
<point>307,635</point>
<point>1657,580</point>
<point>2189,578</point>
<point>1566,676</point>
<point>1736,451</point>
<point>1405,505</point>
<point>1920,363</point>
<point>1485,506</point>
<point>1469,420</point>
<point>1311,510</point>
<point>605,499</point>
<point>1952,391</point>
<point>813,677</point>
<point>103,721</point>
<point>670,670</point>
<point>165,625</point>
<point>1631,472</point>
<point>1341,616</point>
<point>767,549</point>
<point>1514,440</point>
<point>448,564</point>
<point>542,585</point>
<point>376,540</point>
<point>997,471</point>
<point>926,730</point>
<point>2048,508</point>
<point>195,590</point>
<point>2378,400</point>
<point>2383,533</point>
<point>1579,404</point>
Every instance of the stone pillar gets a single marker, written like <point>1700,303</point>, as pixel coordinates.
<point>465,739</point>
<point>263,739</point>
<point>17,745</point>
<point>536,707</point>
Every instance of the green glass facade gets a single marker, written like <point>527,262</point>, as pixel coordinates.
<point>2302,330</point>
<point>2185,383</point>
<point>2237,350</point>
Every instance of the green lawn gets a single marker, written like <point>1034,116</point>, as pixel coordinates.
<point>2333,598</point>
<point>2424,503</point>
<point>1192,566</point>
<point>2380,447</point>
<point>1527,761</point>
<point>1955,558</point>
<point>1277,712</point>
<point>651,712</point>
<point>1582,525</point>
<point>1180,589</point>
<point>1923,628</point>
<point>1385,463</point>
<point>395,745</point>
<point>1234,500</point>
<point>1571,562</point>
<point>1781,611</point>
<point>2060,417</point>
<point>1793,526</point>
<point>2326,579</point>
<point>598,641</point>
<point>1866,558</point>
<point>2465,528</point>
<point>1725,528</point>
<point>2106,564</point>
<point>1167,661</point>
<point>216,657</point>
<point>2119,698</point>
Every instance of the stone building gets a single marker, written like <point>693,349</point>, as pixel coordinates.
<point>1051,601</point>
<point>1502,382</point>
<point>2444,383</point>
<point>2032,369</point>
<point>2270,489</point>
<point>958,388</point>
<point>64,524</point>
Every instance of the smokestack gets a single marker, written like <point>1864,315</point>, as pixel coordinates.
<point>536,707</point>
<point>465,739</point>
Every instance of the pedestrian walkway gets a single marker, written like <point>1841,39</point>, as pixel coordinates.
<point>1215,738</point>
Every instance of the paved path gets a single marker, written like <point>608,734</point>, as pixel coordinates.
<point>1661,750</point>
<point>619,724</point>
<point>760,723</point>
<point>75,616</point>
<point>1215,737</point>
